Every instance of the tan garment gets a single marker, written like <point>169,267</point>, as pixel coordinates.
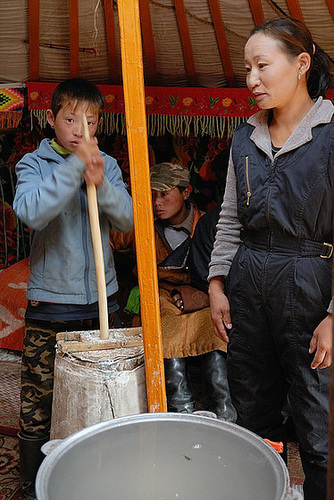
<point>188,334</point>
<point>183,335</point>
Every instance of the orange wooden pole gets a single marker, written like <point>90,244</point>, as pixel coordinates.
<point>134,99</point>
<point>181,17</point>
<point>34,40</point>
<point>74,38</point>
<point>330,4</point>
<point>295,10</point>
<point>111,41</point>
<point>222,42</point>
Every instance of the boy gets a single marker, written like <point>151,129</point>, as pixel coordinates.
<point>62,293</point>
<point>185,316</point>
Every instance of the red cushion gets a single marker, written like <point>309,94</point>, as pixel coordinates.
<point>13,303</point>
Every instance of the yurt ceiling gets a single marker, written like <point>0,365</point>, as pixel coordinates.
<point>187,43</point>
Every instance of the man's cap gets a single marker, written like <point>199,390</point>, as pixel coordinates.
<point>165,176</point>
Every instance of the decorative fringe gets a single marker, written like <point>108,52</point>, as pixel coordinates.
<point>157,125</point>
<point>213,126</point>
<point>9,119</point>
<point>40,114</point>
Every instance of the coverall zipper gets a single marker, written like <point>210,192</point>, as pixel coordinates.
<point>85,244</point>
<point>249,194</point>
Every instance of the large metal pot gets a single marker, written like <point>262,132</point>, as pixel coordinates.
<point>163,456</point>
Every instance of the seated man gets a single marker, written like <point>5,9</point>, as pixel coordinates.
<point>185,332</point>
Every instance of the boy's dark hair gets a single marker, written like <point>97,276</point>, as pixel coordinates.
<point>77,90</point>
<point>296,38</point>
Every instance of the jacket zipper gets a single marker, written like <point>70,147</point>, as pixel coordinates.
<point>249,194</point>
<point>85,225</point>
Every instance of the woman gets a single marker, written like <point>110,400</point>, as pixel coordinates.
<point>276,226</point>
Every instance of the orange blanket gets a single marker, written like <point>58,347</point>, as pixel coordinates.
<point>13,303</point>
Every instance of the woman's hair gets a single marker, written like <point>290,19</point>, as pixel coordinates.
<point>76,91</point>
<point>295,38</point>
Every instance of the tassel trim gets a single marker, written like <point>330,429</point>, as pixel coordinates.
<point>157,125</point>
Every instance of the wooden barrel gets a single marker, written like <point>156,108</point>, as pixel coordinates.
<point>97,383</point>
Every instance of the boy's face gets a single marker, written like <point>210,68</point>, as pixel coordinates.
<point>68,124</point>
<point>170,205</point>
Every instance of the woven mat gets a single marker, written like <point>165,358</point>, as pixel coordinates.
<point>10,373</point>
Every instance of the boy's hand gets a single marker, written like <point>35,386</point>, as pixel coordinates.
<point>94,172</point>
<point>89,154</point>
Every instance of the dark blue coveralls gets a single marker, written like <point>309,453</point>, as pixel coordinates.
<point>279,288</point>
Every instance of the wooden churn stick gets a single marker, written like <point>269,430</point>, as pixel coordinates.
<point>97,248</point>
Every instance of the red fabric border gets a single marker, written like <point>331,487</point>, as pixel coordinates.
<point>174,101</point>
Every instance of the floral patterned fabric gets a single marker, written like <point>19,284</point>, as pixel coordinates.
<point>177,101</point>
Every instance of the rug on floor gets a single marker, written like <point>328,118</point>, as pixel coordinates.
<point>9,468</point>
<point>10,373</point>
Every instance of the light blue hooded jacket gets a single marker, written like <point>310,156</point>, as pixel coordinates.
<point>51,199</point>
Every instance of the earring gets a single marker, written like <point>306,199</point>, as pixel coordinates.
<point>299,75</point>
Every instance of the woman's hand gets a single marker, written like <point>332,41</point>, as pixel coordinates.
<point>321,344</point>
<point>220,308</point>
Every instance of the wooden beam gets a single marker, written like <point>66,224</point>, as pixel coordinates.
<point>182,22</point>
<point>74,38</point>
<point>34,40</point>
<point>111,42</point>
<point>134,100</point>
<point>295,10</point>
<point>257,12</point>
<point>148,42</point>
<point>330,4</point>
<point>222,42</point>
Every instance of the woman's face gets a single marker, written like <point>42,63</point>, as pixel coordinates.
<point>272,75</point>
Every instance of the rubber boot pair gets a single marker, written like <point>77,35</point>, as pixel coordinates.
<point>180,398</point>
<point>214,374</point>
<point>31,458</point>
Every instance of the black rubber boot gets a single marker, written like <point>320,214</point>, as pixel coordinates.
<point>180,398</point>
<point>31,458</point>
<point>218,399</point>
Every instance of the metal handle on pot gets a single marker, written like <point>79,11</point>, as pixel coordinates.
<point>48,447</point>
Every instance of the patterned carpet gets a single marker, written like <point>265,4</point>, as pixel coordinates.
<point>9,468</point>
<point>9,421</point>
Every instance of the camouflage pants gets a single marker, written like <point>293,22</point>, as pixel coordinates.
<point>38,370</point>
